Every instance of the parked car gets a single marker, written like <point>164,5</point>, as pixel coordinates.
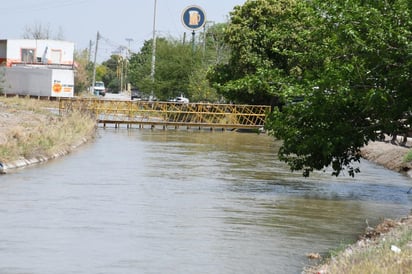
<point>135,94</point>
<point>99,88</point>
<point>180,99</point>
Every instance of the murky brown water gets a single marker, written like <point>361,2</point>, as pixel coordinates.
<point>143,201</point>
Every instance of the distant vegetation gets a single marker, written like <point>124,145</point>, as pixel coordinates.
<point>181,67</point>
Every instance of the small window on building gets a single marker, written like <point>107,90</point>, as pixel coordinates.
<point>27,55</point>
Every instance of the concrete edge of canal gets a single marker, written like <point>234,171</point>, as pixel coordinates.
<point>21,163</point>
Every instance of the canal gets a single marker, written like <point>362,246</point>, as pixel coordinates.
<point>176,201</point>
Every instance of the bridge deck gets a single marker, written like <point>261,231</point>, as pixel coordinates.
<point>171,113</point>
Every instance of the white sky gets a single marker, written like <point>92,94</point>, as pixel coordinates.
<point>116,20</point>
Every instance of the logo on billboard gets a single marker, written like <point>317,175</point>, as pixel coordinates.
<point>193,17</point>
<point>57,86</point>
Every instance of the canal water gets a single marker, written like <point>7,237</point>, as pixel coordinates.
<point>154,201</point>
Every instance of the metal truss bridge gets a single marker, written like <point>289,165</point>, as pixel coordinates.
<point>170,114</point>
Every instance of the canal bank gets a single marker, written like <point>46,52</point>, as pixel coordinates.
<point>32,132</point>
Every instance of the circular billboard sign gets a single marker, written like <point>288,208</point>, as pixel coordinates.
<point>193,17</point>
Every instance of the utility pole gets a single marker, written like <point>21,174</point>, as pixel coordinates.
<point>121,73</point>
<point>94,63</point>
<point>129,40</point>
<point>153,70</point>
<point>204,43</point>
<point>193,41</point>
<point>89,56</point>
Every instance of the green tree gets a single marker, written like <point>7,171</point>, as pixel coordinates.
<point>101,72</point>
<point>261,58</point>
<point>175,63</point>
<point>214,51</point>
<point>216,48</point>
<point>181,68</point>
<point>140,69</point>
<point>358,82</point>
<point>83,71</point>
<point>349,62</point>
<point>114,76</point>
<point>199,87</point>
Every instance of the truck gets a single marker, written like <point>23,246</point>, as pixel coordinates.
<point>38,81</point>
<point>99,88</point>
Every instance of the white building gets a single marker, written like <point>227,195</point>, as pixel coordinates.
<point>37,67</point>
<point>36,52</point>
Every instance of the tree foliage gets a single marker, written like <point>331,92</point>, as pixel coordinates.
<point>349,61</point>
<point>175,63</point>
<point>261,59</point>
<point>114,73</point>
<point>83,71</point>
<point>200,89</point>
<point>216,49</point>
<point>180,67</point>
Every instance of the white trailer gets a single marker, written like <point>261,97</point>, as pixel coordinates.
<point>38,81</point>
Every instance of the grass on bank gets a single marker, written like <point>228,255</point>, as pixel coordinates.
<point>408,157</point>
<point>376,256</point>
<point>36,130</point>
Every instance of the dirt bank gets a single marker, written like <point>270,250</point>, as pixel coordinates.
<point>387,248</point>
<point>388,155</point>
<point>32,131</point>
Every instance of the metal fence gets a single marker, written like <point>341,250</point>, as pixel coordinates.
<point>170,114</point>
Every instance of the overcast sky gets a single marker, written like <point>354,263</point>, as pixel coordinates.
<point>116,20</point>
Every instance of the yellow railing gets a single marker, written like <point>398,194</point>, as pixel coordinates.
<point>170,113</point>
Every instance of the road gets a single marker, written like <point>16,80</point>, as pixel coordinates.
<point>117,96</point>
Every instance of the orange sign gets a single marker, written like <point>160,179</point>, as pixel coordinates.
<point>57,87</point>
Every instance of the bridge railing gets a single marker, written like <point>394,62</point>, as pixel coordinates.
<point>171,113</point>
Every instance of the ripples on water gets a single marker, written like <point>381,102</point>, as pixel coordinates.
<point>143,201</point>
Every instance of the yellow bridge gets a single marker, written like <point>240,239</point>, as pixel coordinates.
<point>170,114</point>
